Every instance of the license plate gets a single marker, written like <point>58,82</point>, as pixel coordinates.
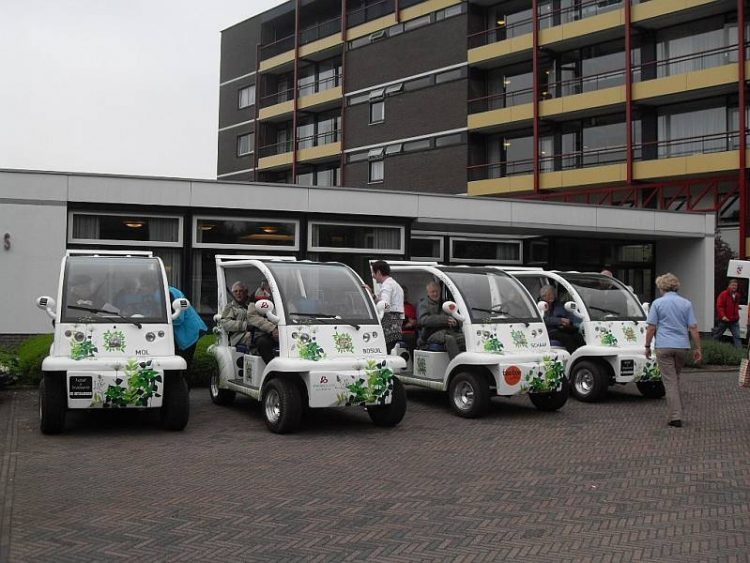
<point>81,387</point>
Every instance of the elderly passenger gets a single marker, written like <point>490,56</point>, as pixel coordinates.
<point>234,316</point>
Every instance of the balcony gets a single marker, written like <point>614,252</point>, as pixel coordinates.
<point>688,155</point>
<point>370,12</point>
<point>313,148</point>
<point>318,95</point>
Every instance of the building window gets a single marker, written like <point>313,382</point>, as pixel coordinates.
<point>246,96</point>
<point>354,238</point>
<point>239,233</point>
<point>377,112</point>
<point>376,171</point>
<point>121,228</point>
<point>244,145</point>
<point>429,249</point>
<point>485,251</point>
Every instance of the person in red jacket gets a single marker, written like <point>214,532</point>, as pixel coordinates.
<point>728,313</point>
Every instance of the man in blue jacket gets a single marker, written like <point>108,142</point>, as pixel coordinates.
<point>187,328</point>
<point>561,325</point>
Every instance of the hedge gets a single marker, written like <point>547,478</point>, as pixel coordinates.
<point>718,353</point>
<point>204,363</point>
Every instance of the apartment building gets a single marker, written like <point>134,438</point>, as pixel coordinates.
<point>609,102</point>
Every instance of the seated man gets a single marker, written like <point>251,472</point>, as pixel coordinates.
<point>561,325</point>
<point>234,316</point>
<point>264,334</point>
<point>139,297</point>
<point>437,327</point>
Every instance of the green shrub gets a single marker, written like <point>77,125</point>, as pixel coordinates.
<point>31,352</point>
<point>8,367</point>
<point>204,363</point>
<point>717,353</point>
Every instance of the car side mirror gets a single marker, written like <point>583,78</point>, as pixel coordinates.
<point>48,305</point>
<point>217,317</point>
<point>450,308</point>
<point>542,306</point>
<point>646,306</point>
<point>178,306</point>
<point>265,308</point>
<point>571,307</point>
<point>380,308</point>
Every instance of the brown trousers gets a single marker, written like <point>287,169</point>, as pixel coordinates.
<point>671,362</point>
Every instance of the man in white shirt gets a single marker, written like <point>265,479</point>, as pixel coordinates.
<point>392,295</point>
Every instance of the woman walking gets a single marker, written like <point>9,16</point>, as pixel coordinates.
<point>672,320</point>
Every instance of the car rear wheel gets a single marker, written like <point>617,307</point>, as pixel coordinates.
<point>469,395</point>
<point>392,414</point>
<point>589,381</point>
<point>282,406</point>
<point>219,396</point>
<point>175,408</point>
<point>53,403</point>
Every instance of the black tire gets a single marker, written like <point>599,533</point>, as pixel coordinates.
<point>219,396</point>
<point>589,381</point>
<point>282,406</point>
<point>53,403</point>
<point>469,395</point>
<point>551,401</point>
<point>175,408</point>
<point>651,389</point>
<point>390,415</point>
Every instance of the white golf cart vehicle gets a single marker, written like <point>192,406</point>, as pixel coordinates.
<point>507,349</point>
<point>740,269</point>
<point>331,347</point>
<point>613,326</point>
<point>113,344</point>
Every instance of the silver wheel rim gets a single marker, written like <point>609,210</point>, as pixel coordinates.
<point>273,406</point>
<point>463,395</point>
<point>584,382</point>
<point>214,386</point>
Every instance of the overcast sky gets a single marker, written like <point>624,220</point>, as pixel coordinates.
<point>113,86</point>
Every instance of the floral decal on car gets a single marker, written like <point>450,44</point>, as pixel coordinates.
<point>421,366</point>
<point>307,346</point>
<point>519,339</point>
<point>489,342</point>
<point>606,338</point>
<point>114,341</point>
<point>343,343</point>
<point>82,346</point>
<point>141,383</point>
<point>547,377</point>
<point>629,333</point>
<point>375,387</point>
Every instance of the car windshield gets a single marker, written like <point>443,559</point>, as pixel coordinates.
<point>606,298</point>
<point>100,289</point>
<point>322,294</point>
<point>494,296</point>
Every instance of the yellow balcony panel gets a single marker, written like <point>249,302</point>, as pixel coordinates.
<point>321,151</point>
<point>657,8</point>
<point>320,98</point>
<point>686,165</point>
<point>716,76</point>
<point>501,186</point>
<point>586,26</point>
<point>371,27</point>
<point>426,8</point>
<point>278,60</point>
<point>607,174</point>
<point>664,168</point>
<point>487,119</point>
<point>579,102</point>
<point>550,180</point>
<point>659,87</point>
<point>320,45</point>
<point>275,110</point>
<point>500,49</point>
<point>275,161</point>
<point>747,69</point>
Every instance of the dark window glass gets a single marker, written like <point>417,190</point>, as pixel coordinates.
<point>245,231</point>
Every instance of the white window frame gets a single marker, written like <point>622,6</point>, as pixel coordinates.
<point>124,242</point>
<point>484,239</point>
<point>370,164</point>
<point>252,98</point>
<point>441,246</point>
<point>249,136</point>
<point>311,248</point>
<point>236,246</point>
<point>373,103</point>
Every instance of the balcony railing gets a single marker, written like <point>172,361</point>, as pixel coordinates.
<point>689,63</point>
<point>370,12</point>
<point>320,30</point>
<point>500,33</point>
<point>324,138</point>
<point>577,12</point>
<point>277,47</point>
<point>685,146</point>
<point>319,85</point>
<point>502,100</point>
<point>276,97</point>
<point>582,84</point>
<point>281,147</point>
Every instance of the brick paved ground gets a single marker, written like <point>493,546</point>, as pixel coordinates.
<point>604,482</point>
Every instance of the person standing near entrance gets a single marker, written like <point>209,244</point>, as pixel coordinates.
<point>672,321</point>
<point>392,295</point>
<point>728,313</point>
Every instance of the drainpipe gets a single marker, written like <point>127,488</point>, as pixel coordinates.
<point>628,94</point>
<point>535,86</point>
<point>344,22</point>
<point>294,91</point>
<point>742,125</point>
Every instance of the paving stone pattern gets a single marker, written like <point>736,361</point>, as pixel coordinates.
<point>607,482</point>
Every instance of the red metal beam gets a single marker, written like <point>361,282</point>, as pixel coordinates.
<point>742,125</point>
<point>628,95</point>
<point>294,91</point>
<point>344,23</point>
<point>535,85</point>
<point>256,125</point>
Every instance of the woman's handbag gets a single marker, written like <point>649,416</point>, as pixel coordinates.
<point>744,376</point>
